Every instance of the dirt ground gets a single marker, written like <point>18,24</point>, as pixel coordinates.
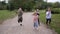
<point>11,26</point>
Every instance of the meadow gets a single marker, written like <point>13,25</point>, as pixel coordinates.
<point>55,23</point>
<point>5,14</point>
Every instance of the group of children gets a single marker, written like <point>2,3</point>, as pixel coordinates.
<point>36,18</point>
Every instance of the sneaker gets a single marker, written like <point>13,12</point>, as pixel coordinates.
<point>20,24</point>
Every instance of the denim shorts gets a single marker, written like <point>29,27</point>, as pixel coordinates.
<point>35,24</point>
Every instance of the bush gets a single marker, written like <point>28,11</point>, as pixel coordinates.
<point>55,11</point>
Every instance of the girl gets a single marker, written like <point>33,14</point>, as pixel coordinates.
<point>37,11</point>
<point>48,16</point>
<point>35,20</point>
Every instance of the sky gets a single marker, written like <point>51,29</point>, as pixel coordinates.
<point>53,0</point>
<point>44,0</point>
<point>5,0</point>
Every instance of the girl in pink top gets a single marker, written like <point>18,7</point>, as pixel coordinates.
<point>35,20</point>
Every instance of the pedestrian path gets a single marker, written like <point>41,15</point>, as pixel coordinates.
<point>11,26</point>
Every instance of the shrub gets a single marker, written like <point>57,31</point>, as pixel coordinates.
<point>55,11</point>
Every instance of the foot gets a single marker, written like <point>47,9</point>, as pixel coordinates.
<point>20,24</point>
<point>37,28</point>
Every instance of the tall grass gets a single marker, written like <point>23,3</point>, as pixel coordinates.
<point>5,14</point>
<point>55,23</point>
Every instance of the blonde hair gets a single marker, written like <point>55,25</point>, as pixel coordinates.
<point>34,12</point>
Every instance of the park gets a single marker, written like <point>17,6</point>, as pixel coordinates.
<point>8,16</point>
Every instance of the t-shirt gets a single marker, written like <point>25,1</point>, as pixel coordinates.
<point>35,18</point>
<point>48,14</point>
<point>20,13</point>
<point>37,13</point>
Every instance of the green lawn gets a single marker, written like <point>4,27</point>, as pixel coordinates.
<point>55,24</point>
<point>5,14</point>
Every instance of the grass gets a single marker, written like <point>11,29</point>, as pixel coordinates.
<point>5,14</point>
<point>55,24</point>
<point>42,16</point>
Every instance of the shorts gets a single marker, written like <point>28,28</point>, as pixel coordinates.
<point>48,21</point>
<point>35,24</point>
<point>20,19</point>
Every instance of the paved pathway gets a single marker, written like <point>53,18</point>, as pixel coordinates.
<point>11,26</point>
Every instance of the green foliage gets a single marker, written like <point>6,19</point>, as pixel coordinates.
<point>55,10</point>
<point>28,6</point>
<point>42,16</point>
<point>25,4</point>
<point>43,5</point>
<point>3,5</point>
<point>55,23</point>
<point>5,14</point>
<point>57,5</point>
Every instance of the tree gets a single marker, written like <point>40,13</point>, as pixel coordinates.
<point>2,5</point>
<point>27,4</point>
<point>21,3</point>
<point>38,3</point>
<point>57,5</point>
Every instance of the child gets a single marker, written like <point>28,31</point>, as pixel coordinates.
<point>37,11</point>
<point>35,20</point>
<point>20,14</point>
<point>48,16</point>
